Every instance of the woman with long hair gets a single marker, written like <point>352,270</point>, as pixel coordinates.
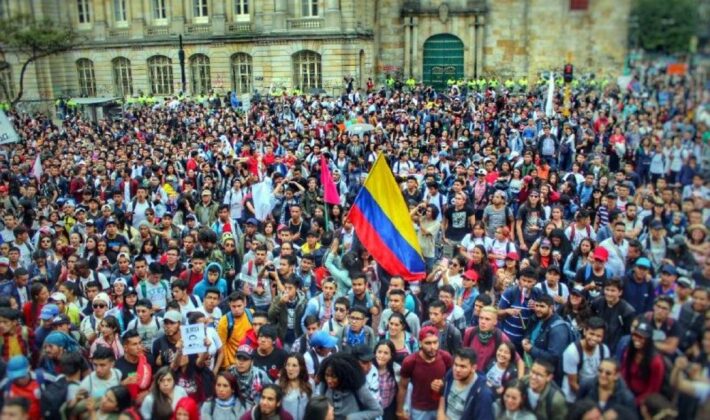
<point>293,380</point>
<point>39,296</point>
<point>342,380</point>
<point>528,222</point>
<point>227,403</point>
<point>270,406</point>
<point>514,404</point>
<point>387,374</point>
<point>319,408</point>
<point>149,251</point>
<point>90,251</point>
<point>110,336</point>
<point>164,395</point>
<point>576,310</point>
<point>186,409</point>
<point>477,236</point>
<point>104,259</point>
<point>642,367</point>
<point>402,341</point>
<point>479,263</point>
<point>578,259</point>
<point>503,369</point>
<point>114,401</point>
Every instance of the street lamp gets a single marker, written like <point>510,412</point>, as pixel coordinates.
<point>181,58</point>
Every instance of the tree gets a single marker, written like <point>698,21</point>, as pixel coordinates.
<point>663,26</point>
<point>33,39</point>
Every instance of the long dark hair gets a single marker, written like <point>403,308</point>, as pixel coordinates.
<point>317,408</point>
<point>393,351</point>
<point>578,252</point>
<point>162,406</point>
<point>35,291</point>
<point>303,383</point>
<point>279,398</point>
<point>346,368</point>
<point>648,352</point>
<point>123,397</point>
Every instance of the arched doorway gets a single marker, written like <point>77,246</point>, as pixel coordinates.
<point>443,59</point>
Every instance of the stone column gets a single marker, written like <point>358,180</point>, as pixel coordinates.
<point>99,17</point>
<point>218,17</point>
<point>332,14</point>
<point>280,12</point>
<point>407,46</point>
<point>139,12</point>
<point>416,68</point>
<point>176,16</point>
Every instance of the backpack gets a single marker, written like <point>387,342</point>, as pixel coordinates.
<point>316,362</point>
<point>603,352</point>
<point>559,288</point>
<point>137,321</point>
<point>573,232</point>
<point>53,396</point>
<point>554,388</point>
<point>144,289</point>
<point>230,321</point>
<point>572,333</point>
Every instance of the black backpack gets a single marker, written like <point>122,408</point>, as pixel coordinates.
<point>54,394</point>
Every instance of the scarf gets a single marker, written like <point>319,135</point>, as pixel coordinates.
<point>484,337</point>
<point>354,339</point>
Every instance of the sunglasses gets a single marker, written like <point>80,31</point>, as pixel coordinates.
<point>99,305</point>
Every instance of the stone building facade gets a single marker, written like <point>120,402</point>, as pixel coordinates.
<point>132,46</point>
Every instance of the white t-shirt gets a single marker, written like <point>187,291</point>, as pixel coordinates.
<point>97,387</point>
<point>560,290</point>
<point>589,370</point>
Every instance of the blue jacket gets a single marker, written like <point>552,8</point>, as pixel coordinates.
<point>9,288</point>
<point>639,295</point>
<point>201,288</point>
<point>479,402</point>
<point>552,340</point>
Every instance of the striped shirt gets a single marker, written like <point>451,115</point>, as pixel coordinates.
<point>514,326</point>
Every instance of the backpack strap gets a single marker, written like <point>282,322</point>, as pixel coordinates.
<point>230,324</point>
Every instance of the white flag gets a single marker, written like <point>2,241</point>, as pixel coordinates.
<point>264,200</point>
<point>549,110</point>
<point>37,169</point>
<point>7,131</point>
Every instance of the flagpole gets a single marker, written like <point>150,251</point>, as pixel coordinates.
<point>326,215</point>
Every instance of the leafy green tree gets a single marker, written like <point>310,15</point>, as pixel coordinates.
<point>33,39</point>
<point>662,25</point>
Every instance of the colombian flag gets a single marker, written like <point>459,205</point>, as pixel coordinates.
<point>383,225</point>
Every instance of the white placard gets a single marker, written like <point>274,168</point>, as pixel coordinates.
<point>7,131</point>
<point>193,339</point>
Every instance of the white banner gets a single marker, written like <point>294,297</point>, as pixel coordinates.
<point>7,131</point>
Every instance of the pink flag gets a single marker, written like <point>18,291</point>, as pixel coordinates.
<point>330,192</point>
<point>37,168</point>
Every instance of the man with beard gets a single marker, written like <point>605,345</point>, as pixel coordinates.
<point>466,395</point>
<point>165,346</point>
<point>581,359</point>
<point>425,369</point>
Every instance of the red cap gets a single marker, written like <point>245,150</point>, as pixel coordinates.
<point>601,254</point>
<point>512,255</point>
<point>3,188</point>
<point>427,331</point>
<point>471,274</point>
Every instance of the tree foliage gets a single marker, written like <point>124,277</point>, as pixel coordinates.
<point>33,39</point>
<point>662,25</point>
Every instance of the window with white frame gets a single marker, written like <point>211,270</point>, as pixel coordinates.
<point>241,73</point>
<point>200,9</point>
<point>200,74</point>
<point>161,75</point>
<point>84,11</point>
<point>309,8</point>
<point>160,12</point>
<point>241,9</point>
<point>307,70</point>
<point>87,78</point>
<point>120,15</point>
<point>122,77</point>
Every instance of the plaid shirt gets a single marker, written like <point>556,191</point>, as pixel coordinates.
<point>24,337</point>
<point>388,389</point>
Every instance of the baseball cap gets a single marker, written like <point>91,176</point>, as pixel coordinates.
<point>553,269</point>
<point>427,331</point>
<point>578,290</point>
<point>512,255</point>
<point>245,350</point>
<point>252,221</point>
<point>670,269</point>
<point>481,172</point>
<point>323,339</point>
<point>644,329</point>
<point>363,353</point>
<point>656,224</point>
<point>643,262</point>
<point>685,282</point>
<point>545,243</point>
<point>172,316</point>
<point>48,312</point>
<point>3,188</point>
<point>471,274</point>
<point>206,192</point>
<point>60,319</point>
<point>110,221</point>
<point>601,254</point>
<point>102,297</point>
<point>4,261</point>
<point>17,367</point>
<point>58,296</point>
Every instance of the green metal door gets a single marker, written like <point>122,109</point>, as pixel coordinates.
<point>443,60</point>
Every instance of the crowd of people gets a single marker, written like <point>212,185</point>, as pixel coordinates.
<point>567,255</point>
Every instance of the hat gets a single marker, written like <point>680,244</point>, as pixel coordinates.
<point>60,319</point>
<point>121,280</point>
<point>252,221</point>
<point>190,217</point>
<point>363,353</point>
<point>481,172</point>
<point>81,209</point>
<point>643,262</point>
<point>172,316</point>
<point>553,268</point>
<point>3,188</point>
<point>4,261</point>
<point>206,192</point>
<point>644,329</point>
<point>58,296</point>
<point>427,331</point>
<point>323,339</point>
<point>471,274</point>
<point>669,269</point>
<point>700,226</point>
<point>656,224</point>
<point>110,221</point>
<point>130,291</point>
<point>48,312</point>
<point>512,255</point>
<point>90,222</point>
<point>17,367</point>
<point>101,297</point>
<point>685,282</point>
<point>281,227</point>
<point>106,207</point>
<point>601,254</point>
<point>245,350</point>
<point>545,243</point>
<point>578,289</point>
